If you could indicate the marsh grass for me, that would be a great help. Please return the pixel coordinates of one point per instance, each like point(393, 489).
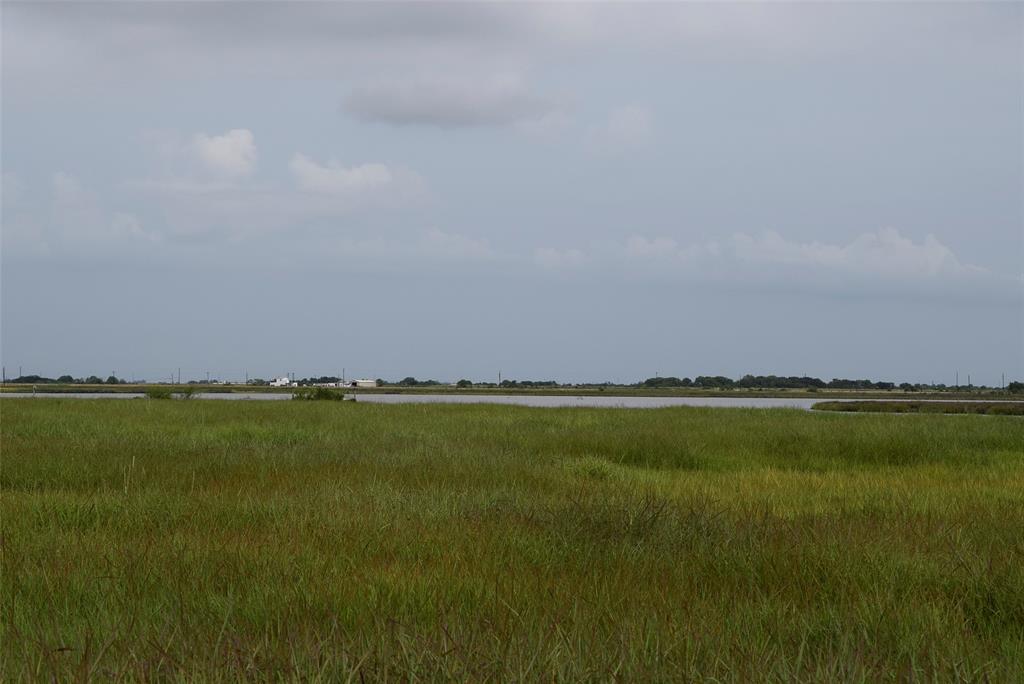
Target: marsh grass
point(159, 392)
point(991, 408)
point(324, 542)
point(318, 394)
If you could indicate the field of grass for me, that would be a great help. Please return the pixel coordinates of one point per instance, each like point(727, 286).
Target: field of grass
point(991, 408)
point(327, 541)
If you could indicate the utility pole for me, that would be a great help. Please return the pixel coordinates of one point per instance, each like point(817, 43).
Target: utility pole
point(499, 378)
point(957, 385)
point(179, 375)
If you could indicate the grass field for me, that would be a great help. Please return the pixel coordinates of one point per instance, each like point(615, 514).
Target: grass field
point(149, 540)
point(991, 408)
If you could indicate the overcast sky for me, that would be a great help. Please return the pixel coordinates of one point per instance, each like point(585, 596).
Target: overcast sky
point(565, 191)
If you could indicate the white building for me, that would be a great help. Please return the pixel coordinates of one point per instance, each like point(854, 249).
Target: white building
point(362, 383)
point(283, 382)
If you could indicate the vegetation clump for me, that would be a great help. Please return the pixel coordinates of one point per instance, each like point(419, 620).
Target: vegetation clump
point(318, 394)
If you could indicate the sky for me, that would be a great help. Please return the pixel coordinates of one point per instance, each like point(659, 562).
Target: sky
point(578, 192)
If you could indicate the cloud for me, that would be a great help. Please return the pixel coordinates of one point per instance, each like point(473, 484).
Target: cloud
point(231, 154)
point(667, 250)
point(439, 243)
point(559, 259)
point(449, 103)
point(880, 263)
point(68, 191)
point(72, 221)
point(626, 128)
point(201, 39)
point(333, 178)
point(882, 253)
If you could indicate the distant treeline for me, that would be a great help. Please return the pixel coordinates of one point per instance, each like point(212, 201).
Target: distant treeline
point(801, 382)
point(700, 382)
point(67, 380)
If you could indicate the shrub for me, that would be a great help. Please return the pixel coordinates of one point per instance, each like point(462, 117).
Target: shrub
point(159, 393)
point(318, 394)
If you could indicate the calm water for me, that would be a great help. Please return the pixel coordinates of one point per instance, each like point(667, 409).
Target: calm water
point(513, 399)
point(595, 401)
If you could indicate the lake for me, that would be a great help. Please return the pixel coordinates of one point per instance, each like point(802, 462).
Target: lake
point(512, 399)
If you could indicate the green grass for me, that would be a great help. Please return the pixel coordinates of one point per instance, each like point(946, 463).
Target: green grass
point(155, 540)
point(991, 408)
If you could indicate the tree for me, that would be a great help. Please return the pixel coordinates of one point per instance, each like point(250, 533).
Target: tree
point(32, 380)
point(93, 380)
point(463, 384)
point(666, 382)
point(112, 380)
point(65, 379)
point(1015, 388)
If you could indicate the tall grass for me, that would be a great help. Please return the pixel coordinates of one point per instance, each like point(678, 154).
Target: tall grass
point(992, 408)
point(321, 541)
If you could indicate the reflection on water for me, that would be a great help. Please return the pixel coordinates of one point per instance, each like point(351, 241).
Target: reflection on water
point(588, 401)
point(512, 399)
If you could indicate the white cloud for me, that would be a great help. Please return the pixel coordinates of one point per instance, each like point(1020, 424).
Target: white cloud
point(449, 103)
point(231, 154)
point(877, 263)
point(333, 178)
point(68, 191)
point(559, 259)
point(884, 253)
point(73, 222)
point(455, 246)
point(667, 250)
point(626, 128)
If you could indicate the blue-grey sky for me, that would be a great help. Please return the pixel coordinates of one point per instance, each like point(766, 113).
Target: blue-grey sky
point(566, 191)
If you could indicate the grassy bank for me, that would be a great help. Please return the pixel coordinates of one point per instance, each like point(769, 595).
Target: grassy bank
point(991, 408)
point(326, 540)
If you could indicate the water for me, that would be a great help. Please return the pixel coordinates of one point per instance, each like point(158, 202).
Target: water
point(510, 399)
point(540, 401)
point(588, 401)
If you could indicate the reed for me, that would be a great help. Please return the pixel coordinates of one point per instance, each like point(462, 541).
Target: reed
point(327, 541)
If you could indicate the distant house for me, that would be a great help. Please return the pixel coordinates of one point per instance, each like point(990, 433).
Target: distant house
point(283, 382)
point(362, 383)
